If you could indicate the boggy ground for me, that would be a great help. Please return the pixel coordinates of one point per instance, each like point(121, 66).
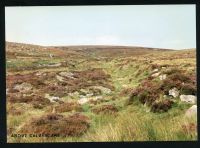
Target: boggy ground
point(99, 93)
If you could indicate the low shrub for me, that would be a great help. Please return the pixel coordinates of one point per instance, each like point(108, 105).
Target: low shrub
point(125, 92)
point(161, 106)
point(68, 106)
point(105, 109)
point(56, 124)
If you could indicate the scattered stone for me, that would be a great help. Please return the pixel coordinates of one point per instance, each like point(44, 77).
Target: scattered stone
point(155, 74)
point(67, 74)
point(97, 98)
point(59, 78)
point(104, 90)
point(89, 95)
point(23, 87)
point(188, 98)
point(83, 91)
point(82, 96)
point(155, 70)
point(83, 100)
point(174, 92)
point(52, 98)
point(191, 112)
point(74, 94)
point(163, 77)
point(40, 73)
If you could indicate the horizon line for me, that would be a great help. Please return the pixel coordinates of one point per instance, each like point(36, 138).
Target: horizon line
point(73, 45)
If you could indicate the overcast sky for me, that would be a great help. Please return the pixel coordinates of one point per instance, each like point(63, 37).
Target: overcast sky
point(161, 26)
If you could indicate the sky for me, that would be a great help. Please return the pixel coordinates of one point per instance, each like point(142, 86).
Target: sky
point(158, 26)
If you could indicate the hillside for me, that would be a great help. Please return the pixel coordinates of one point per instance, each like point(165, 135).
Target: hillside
point(100, 93)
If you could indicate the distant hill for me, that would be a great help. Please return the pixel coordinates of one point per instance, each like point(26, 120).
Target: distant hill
point(81, 50)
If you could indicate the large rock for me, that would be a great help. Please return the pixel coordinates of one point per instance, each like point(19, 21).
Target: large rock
point(174, 92)
point(23, 87)
point(188, 98)
point(191, 112)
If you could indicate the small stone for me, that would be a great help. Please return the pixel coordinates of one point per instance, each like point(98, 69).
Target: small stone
point(104, 90)
point(52, 98)
point(97, 98)
point(59, 78)
point(174, 92)
point(67, 74)
point(83, 100)
point(163, 77)
point(89, 95)
point(155, 70)
point(155, 74)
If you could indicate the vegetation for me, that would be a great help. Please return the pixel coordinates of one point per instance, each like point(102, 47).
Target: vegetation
point(98, 93)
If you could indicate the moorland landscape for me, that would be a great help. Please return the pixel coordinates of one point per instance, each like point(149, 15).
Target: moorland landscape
point(100, 93)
